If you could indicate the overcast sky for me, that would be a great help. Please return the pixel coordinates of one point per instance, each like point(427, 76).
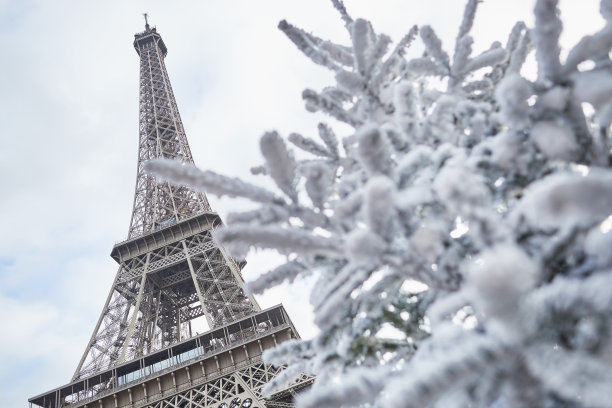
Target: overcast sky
point(69, 131)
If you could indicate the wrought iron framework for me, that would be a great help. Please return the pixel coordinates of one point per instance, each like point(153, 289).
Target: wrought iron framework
point(172, 272)
point(222, 366)
point(161, 134)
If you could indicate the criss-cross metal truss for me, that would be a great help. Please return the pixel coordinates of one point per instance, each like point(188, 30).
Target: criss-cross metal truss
point(171, 272)
point(242, 389)
point(161, 134)
point(221, 368)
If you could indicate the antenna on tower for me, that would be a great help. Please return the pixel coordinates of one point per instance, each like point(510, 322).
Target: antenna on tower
point(146, 21)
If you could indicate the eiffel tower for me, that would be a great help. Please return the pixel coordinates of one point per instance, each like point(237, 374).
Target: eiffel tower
point(172, 278)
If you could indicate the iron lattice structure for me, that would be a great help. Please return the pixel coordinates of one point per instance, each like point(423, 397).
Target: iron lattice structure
point(143, 351)
point(161, 134)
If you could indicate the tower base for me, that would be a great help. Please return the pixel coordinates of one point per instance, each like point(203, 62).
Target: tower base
point(221, 368)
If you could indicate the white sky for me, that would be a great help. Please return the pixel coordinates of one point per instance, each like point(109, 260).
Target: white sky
point(69, 130)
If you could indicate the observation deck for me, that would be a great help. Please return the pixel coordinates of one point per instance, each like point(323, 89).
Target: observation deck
point(197, 360)
point(147, 38)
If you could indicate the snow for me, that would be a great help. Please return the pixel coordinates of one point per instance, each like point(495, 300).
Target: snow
point(379, 205)
point(605, 9)
point(208, 181)
point(512, 95)
point(598, 243)
point(594, 87)
point(457, 222)
point(556, 141)
point(461, 188)
point(434, 46)
point(426, 241)
point(546, 38)
point(500, 277)
point(373, 150)
point(318, 182)
point(362, 245)
point(555, 99)
point(592, 386)
point(279, 162)
point(565, 200)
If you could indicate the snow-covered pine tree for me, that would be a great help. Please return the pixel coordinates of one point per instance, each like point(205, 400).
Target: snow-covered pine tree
point(468, 209)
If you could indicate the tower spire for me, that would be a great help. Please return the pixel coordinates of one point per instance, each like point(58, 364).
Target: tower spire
point(146, 21)
point(161, 135)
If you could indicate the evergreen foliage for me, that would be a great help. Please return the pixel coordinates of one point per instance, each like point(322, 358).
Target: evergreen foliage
point(460, 234)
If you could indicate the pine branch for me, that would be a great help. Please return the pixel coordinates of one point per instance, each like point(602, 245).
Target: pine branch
point(239, 238)
point(486, 59)
point(339, 5)
point(308, 145)
point(280, 163)
point(362, 35)
point(434, 47)
point(318, 102)
point(286, 272)
point(519, 54)
point(271, 214)
point(468, 18)
point(373, 152)
point(319, 178)
point(329, 138)
point(546, 38)
point(305, 43)
point(208, 181)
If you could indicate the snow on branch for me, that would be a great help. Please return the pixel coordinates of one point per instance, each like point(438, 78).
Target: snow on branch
point(373, 150)
point(339, 5)
point(572, 375)
point(434, 47)
point(515, 36)
point(486, 59)
point(355, 388)
point(567, 201)
point(333, 107)
point(481, 85)
point(239, 238)
point(265, 215)
point(379, 205)
point(462, 57)
point(305, 43)
point(283, 380)
point(546, 38)
point(425, 66)
point(443, 371)
point(519, 52)
point(319, 179)
point(591, 47)
point(308, 145)
point(379, 49)
point(391, 67)
point(341, 54)
point(512, 95)
point(280, 163)
point(329, 138)
point(468, 18)
point(459, 240)
point(285, 272)
point(209, 182)
point(404, 43)
point(566, 296)
point(363, 40)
